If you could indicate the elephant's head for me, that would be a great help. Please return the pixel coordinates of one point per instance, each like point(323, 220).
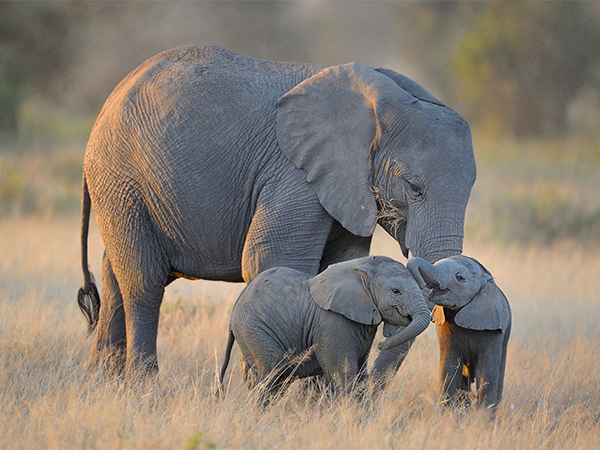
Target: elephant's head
point(463, 285)
point(370, 290)
point(378, 148)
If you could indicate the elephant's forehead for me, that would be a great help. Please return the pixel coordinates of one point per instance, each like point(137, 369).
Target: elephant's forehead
point(458, 262)
point(395, 272)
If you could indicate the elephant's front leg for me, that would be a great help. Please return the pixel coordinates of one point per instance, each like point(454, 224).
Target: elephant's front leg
point(110, 342)
point(451, 363)
point(343, 373)
point(389, 361)
point(488, 376)
point(341, 349)
point(451, 377)
point(342, 246)
point(289, 229)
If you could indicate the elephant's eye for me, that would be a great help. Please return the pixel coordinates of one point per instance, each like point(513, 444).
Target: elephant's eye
point(415, 187)
point(460, 278)
point(396, 291)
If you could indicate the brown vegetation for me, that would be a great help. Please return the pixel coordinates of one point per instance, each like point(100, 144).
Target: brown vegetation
point(552, 389)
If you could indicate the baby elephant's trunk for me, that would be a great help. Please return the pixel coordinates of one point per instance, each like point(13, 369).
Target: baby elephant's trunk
point(420, 320)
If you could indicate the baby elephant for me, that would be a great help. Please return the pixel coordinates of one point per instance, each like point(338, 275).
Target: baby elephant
point(473, 325)
point(289, 325)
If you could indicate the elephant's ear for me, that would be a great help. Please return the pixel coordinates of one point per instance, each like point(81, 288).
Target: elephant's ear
point(489, 310)
point(342, 288)
point(410, 86)
point(327, 126)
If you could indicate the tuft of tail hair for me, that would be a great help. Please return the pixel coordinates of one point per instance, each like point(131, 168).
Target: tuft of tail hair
point(88, 297)
point(89, 304)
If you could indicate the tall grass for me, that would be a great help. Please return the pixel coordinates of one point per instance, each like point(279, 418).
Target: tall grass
point(552, 387)
point(48, 399)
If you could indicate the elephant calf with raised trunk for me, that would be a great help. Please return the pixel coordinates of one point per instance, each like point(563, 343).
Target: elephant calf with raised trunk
point(289, 325)
point(473, 321)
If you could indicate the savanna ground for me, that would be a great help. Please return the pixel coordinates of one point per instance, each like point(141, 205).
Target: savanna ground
point(533, 220)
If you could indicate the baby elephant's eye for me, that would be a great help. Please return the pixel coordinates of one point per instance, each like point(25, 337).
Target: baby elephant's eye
point(460, 278)
point(396, 291)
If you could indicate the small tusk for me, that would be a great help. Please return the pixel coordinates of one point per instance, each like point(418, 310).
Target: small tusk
point(411, 255)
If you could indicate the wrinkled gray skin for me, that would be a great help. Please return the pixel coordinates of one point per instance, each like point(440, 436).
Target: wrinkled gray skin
point(208, 164)
point(473, 321)
point(289, 325)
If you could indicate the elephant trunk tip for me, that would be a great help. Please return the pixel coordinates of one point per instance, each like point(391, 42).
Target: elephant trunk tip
point(89, 304)
point(417, 325)
point(415, 266)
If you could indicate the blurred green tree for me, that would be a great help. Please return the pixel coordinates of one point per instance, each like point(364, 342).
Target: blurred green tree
point(33, 48)
point(511, 67)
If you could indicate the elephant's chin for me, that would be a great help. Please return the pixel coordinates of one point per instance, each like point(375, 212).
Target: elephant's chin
point(402, 321)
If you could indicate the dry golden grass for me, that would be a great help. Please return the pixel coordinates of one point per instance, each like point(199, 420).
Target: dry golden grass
point(48, 400)
point(544, 195)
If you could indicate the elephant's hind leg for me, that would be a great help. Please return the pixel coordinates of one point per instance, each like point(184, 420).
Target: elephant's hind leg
point(141, 269)
point(249, 372)
point(268, 371)
point(452, 379)
point(141, 301)
point(110, 341)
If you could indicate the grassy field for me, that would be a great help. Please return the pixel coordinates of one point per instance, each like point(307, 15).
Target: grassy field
point(531, 221)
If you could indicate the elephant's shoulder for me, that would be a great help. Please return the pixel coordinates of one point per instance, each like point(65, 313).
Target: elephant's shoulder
point(280, 282)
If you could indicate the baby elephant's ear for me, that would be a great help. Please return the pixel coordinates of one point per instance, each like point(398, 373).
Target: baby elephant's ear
point(342, 288)
point(489, 310)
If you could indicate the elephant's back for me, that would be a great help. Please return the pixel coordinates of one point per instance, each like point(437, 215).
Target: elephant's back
point(193, 80)
point(190, 116)
point(275, 305)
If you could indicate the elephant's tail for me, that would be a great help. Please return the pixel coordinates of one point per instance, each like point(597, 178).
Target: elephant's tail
point(87, 297)
point(226, 359)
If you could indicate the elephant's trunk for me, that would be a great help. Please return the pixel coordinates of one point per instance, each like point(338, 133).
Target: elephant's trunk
point(420, 321)
point(444, 236)
point(422, 272)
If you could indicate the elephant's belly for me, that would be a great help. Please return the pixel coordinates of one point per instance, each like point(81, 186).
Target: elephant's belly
point(207, 268)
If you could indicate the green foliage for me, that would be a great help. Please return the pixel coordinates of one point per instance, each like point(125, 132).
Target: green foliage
point(46, 181)
point(42, 121)
point(536, 192)
point(542, 217)
point(14, 192)
point(514, 66)
point(519, 65)
point(198, 441)
point(33, 37)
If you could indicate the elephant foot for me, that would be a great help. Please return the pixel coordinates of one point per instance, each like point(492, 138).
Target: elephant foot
point(141, 367)
point(109, 363)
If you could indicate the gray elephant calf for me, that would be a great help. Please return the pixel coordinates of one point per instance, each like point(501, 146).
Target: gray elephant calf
point(290, 325)
point(473, 321)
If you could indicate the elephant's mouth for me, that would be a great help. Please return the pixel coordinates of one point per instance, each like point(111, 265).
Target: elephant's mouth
point(436, 291)
point(403, 321)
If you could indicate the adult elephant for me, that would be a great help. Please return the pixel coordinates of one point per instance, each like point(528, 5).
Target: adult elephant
point(204, 163)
